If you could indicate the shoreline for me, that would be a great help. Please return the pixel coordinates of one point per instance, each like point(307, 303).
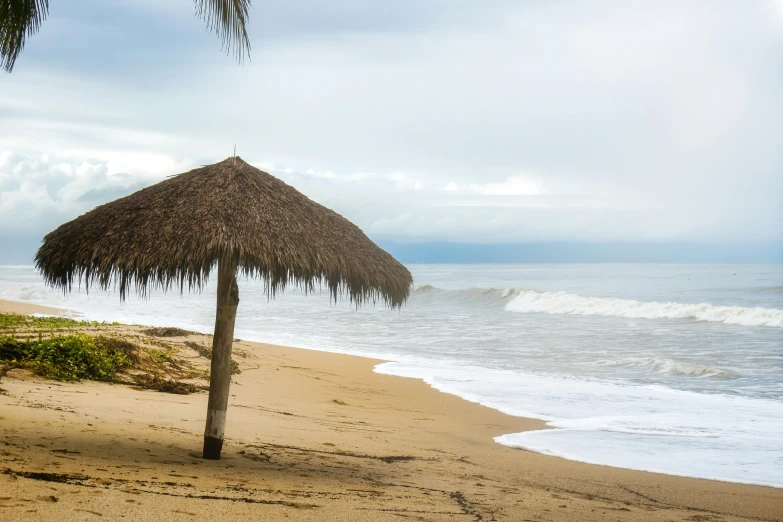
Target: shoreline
point(546, 426)
point(336, 407)
point(26, 308)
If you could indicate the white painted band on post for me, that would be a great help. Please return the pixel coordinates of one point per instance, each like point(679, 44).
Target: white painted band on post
point(216, 424)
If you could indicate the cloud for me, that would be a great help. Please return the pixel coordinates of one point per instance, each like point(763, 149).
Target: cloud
point(435, 119)
point(513, 186)
point(37, 194)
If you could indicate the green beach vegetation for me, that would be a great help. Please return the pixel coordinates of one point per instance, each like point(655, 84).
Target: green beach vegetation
point(15, 321)
point(70, 357)
point(69, 350)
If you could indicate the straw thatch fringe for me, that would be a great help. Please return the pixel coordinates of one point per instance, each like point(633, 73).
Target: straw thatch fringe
point(171, 235)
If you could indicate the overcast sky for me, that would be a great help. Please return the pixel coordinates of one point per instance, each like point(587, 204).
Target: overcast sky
point(457, 120)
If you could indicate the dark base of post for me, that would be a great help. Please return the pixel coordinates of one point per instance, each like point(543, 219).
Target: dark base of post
point(212, 448)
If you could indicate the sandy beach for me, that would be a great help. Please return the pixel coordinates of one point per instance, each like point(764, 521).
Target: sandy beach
point(311, 436)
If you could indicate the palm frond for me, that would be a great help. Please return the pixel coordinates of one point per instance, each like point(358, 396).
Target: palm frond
point(227, 18)
point(18, 20)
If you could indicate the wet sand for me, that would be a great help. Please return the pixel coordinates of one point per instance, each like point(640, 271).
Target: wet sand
point(312, 436)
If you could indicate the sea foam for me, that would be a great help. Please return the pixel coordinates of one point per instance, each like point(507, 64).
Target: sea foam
point(647, 428)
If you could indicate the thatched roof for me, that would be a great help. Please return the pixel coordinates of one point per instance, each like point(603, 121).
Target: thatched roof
point(172, 234)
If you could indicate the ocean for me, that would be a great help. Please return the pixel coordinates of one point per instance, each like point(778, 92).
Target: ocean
point(676, 369)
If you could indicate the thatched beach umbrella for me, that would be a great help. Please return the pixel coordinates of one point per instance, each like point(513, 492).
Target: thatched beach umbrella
point(231, 214)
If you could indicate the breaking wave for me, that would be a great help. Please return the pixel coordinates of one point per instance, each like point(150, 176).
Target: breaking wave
point(487, 295)
point(670, 367)
point(22, 292)
point(533, 301)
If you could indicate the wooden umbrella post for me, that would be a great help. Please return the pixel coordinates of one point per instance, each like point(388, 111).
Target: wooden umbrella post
point(220, 373)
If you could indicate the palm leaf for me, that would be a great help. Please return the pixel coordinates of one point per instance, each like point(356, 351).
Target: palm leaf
point(18, 20)
point(227, 18)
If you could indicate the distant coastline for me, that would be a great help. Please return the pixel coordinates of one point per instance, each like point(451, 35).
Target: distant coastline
point(21, 251)
point(444, 252)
